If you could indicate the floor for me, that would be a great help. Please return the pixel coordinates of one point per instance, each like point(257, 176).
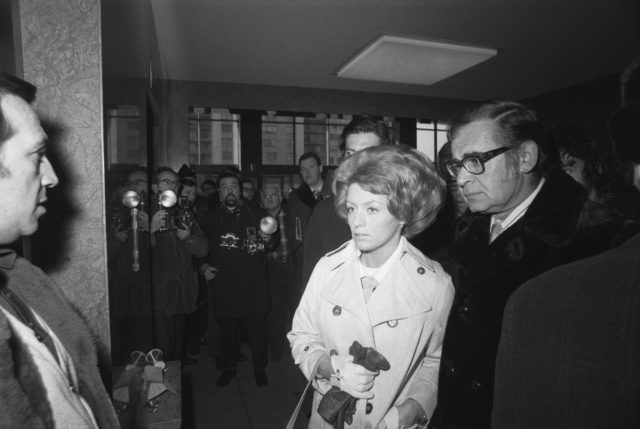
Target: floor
point(241, 404)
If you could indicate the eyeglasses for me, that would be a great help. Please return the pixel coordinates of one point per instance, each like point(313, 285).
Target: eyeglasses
point(137, 181)
point(168, 182)
point(474, 164)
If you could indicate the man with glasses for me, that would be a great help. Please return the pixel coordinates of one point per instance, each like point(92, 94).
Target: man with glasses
point(521, 222)
point(284, 293)
point(174, 279)
point(130, 290)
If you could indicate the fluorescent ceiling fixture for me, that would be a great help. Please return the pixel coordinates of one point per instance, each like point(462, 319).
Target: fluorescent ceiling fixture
point(403, 59)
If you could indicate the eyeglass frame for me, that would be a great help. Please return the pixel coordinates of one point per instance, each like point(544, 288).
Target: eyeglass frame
point(169, 182)
point(482, 157)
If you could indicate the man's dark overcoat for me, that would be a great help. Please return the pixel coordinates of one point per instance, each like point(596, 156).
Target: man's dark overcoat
point(488, 274)
point(569, 356)
point(240, 288)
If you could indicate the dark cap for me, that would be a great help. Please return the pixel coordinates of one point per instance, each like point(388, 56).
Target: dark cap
point(185, 171)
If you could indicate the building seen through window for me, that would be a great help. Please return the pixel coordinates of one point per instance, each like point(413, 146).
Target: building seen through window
point(123, 135)
point(214, 137)
point(286, 137)
point(431, 136)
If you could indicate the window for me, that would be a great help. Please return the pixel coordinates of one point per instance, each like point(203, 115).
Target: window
point(431, 136)
point(285, 138)
point(214, 137)
point(123, 135)
point(277, 139)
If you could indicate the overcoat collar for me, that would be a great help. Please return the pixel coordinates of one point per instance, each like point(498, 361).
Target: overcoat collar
point(551, 219)
point(398, 296)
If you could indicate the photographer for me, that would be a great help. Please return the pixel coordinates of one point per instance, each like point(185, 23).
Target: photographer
point(174, 241)
point(237, 271)
point(130, 289)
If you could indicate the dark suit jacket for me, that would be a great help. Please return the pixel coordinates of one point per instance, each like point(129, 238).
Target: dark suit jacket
point(569, 356)
point(240, 287)
point(489, 274)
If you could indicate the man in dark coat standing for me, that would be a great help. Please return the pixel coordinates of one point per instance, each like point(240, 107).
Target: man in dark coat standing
point(569, 355)
point(237, 271)
point(521, 222)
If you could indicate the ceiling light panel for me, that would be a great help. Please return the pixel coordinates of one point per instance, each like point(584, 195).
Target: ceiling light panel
point(403, 59)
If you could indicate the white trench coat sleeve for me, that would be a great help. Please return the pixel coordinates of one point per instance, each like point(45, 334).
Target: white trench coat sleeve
point(404, 320)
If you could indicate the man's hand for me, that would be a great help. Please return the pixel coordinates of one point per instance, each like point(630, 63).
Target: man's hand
point(122, 235)
point(208, 272)
point(355, 379)
point(143, 221)
point(184, 232)
point(157, 220)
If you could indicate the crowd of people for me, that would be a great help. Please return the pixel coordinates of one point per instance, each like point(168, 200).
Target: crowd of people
point(496, 288)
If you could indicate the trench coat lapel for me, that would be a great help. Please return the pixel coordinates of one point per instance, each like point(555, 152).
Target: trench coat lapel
point(345, 290)
point(397, 297)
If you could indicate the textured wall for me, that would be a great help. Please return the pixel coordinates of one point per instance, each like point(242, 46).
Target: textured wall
point(61, 46)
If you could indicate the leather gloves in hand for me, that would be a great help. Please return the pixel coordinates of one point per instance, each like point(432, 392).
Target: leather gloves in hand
point(356, 374)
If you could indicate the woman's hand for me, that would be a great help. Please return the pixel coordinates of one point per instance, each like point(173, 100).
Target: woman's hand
point(354, 379)
point(408, 415)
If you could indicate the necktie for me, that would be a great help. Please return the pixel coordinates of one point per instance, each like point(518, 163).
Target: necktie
point(316, 194)
point(496, 230)
point(369, 284)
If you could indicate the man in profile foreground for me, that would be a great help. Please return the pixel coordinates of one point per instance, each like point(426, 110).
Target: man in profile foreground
point(48, 363)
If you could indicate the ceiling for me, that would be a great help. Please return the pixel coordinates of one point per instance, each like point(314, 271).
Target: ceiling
point(544, 44)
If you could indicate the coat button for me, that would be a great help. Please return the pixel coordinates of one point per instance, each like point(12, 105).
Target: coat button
point(369, 408)
point(475, 385)
point(306, 348)
point(420, 270)
point(392, 323)
point(337, 310)
point(449, 368)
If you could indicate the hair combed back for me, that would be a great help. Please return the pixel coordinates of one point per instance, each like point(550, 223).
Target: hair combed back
point(11, 85)
point(366, 124)
point(514, 122)
point(404, 175)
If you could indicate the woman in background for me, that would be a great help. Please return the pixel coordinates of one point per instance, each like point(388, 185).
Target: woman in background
point(379, 290)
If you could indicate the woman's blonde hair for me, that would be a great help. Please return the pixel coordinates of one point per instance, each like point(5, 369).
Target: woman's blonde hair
point(407, 177)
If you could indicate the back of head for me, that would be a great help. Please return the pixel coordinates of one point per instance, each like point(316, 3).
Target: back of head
point(407, 177)
point(514, 123)
point(624, 123)
point(366, 124)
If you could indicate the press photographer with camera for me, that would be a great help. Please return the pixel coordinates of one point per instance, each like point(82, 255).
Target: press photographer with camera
point(174, 242)
point(236, 269)
point(129, 262)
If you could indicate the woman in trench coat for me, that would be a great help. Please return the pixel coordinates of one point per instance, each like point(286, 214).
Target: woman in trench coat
point(387, 194)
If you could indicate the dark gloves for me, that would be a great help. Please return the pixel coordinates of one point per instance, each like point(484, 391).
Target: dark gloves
point(338, 407)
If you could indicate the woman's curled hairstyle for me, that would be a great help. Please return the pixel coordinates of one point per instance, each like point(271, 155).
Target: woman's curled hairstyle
point(407, 177)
